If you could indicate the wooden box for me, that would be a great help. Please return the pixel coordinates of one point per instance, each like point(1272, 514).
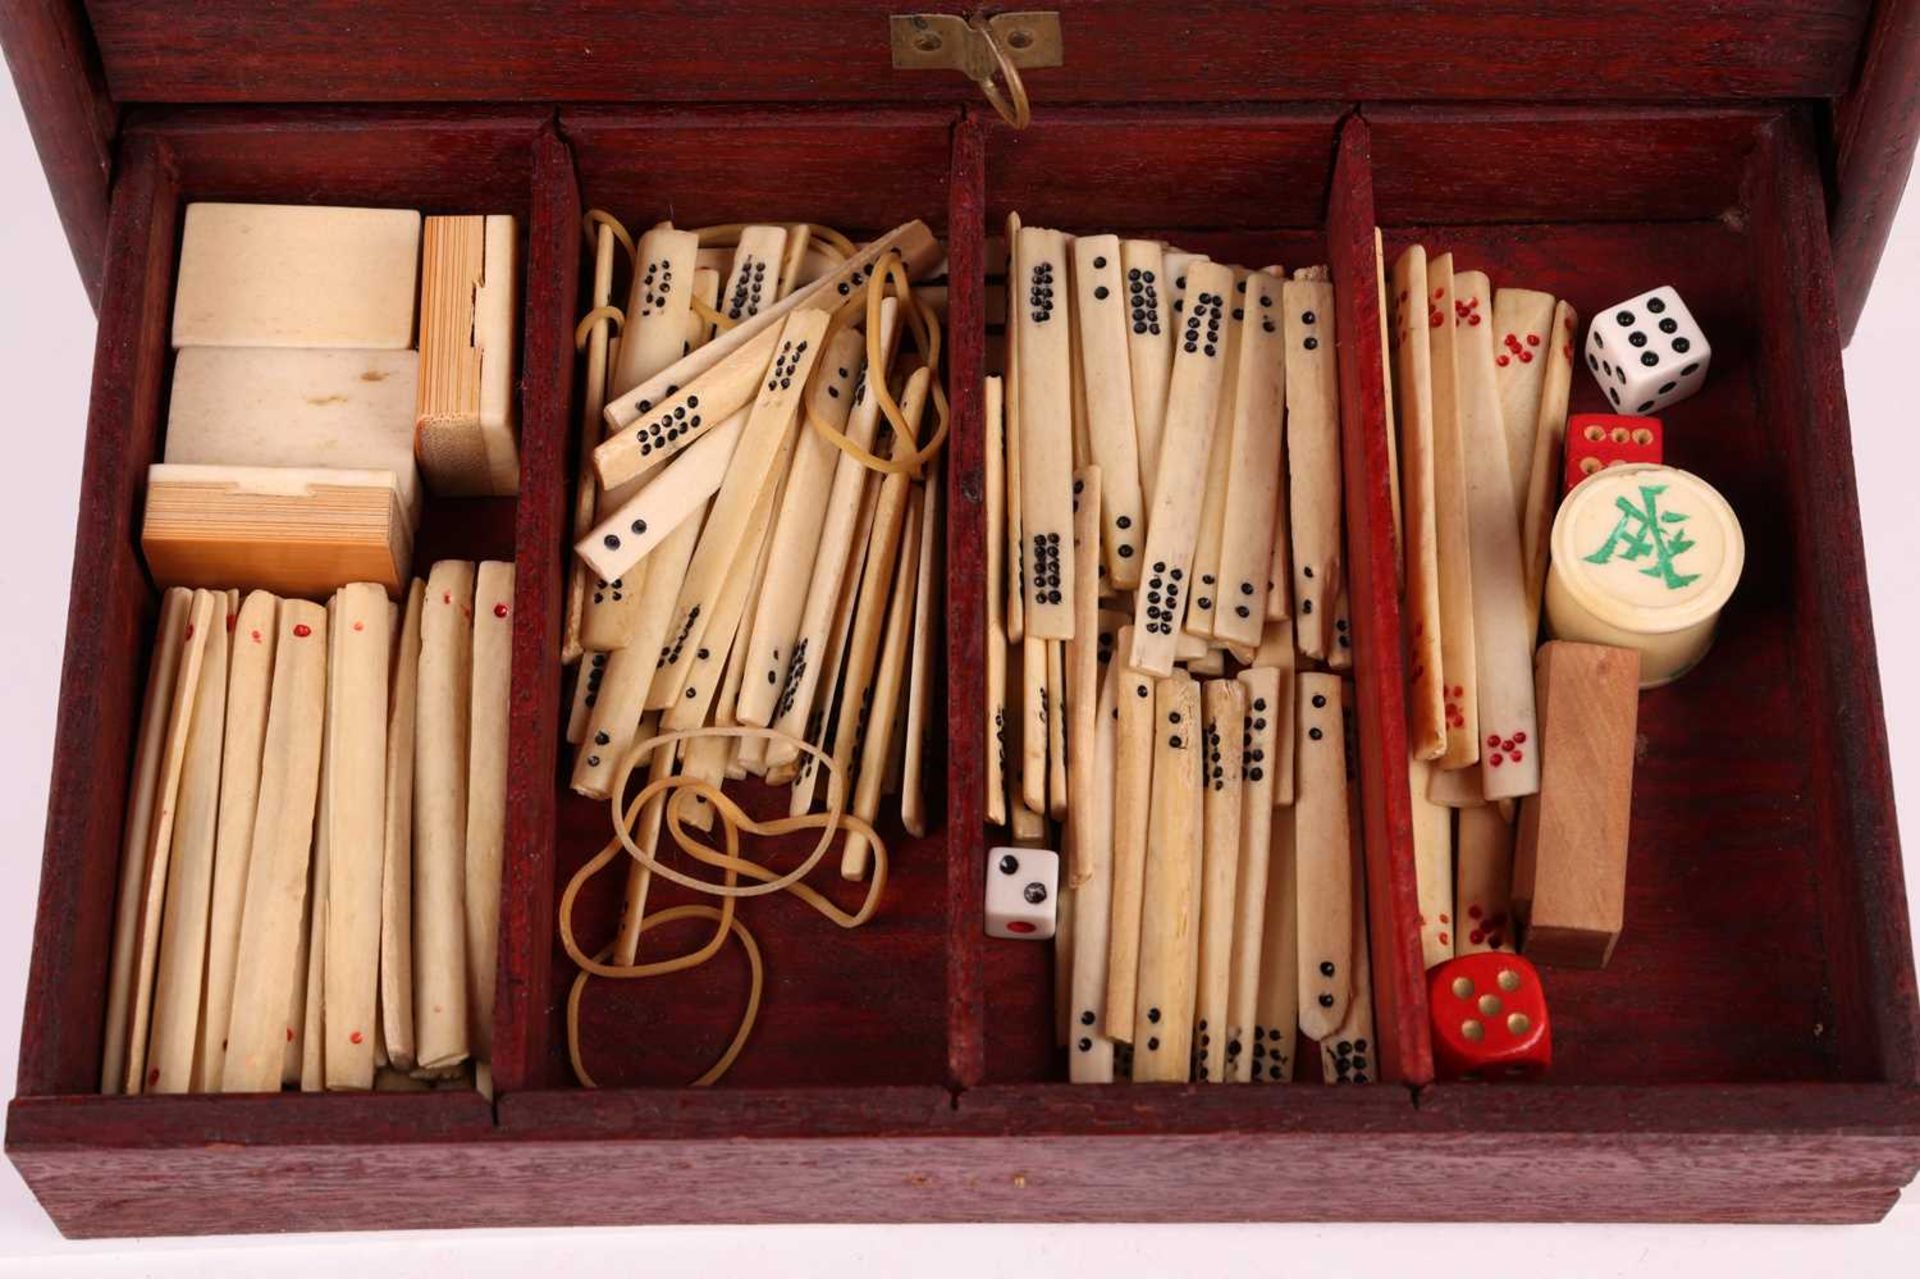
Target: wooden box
point(1751, 1054)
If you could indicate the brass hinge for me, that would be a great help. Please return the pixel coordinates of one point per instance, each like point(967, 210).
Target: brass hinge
point(987, 50)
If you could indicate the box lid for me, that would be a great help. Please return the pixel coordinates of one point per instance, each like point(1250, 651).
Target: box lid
point(78, 62)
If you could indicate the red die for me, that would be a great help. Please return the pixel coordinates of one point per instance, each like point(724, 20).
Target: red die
point(1597, 440)
point(1489, 1017)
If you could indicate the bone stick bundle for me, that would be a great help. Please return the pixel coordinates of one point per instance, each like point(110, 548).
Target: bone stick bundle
point(280, 851)
point(1495, 382)
point(1205, 399)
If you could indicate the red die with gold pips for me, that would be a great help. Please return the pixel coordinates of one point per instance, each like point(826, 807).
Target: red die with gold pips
point(1596, 441)
point(1488, 1014)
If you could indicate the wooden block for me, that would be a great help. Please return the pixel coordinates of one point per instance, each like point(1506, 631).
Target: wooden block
point(296, 275)
point(467, 428)
point(292, 531)
point(260, 406)
point(1570, 868)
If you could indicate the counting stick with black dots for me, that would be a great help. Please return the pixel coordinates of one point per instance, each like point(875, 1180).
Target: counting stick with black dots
point(1502, 643)
point(775, 621)
point(1173, 527)
point(753, 281)
point(619, 543)
point(1268, 1048)
point(806, 705)
point(1351, 1053)
point(1149, 315)
point(698, 695)
point(1258, 732)
point(630, 673)
point(1041, 304)
point(599, 359)
point(844, 529)
point(1223, 712)
point(1170, 897)
point(879, 706)
point(1034, 713)
point(1102, 317)
point(765, 445)
point(918, 712)
point(1276, 652)
point(658, 304)
point(1313, 455)
point(1340, 638)
point(890, 517)
point(1459, 677)
point(1089, 1049)
point(1251, 523)
point(1205, 599)
point(1059, 709)
point(618, 459)
point(660, 764)
point(1132, 797)
point(1082, 663)
point(1324, 864)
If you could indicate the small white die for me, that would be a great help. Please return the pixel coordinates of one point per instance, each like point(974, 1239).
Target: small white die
point(1022, 888)
point(1647, 352)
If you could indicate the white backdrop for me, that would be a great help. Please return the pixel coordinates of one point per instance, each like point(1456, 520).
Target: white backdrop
point(46, 353)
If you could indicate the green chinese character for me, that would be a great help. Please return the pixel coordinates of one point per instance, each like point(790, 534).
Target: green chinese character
point(1645, 531)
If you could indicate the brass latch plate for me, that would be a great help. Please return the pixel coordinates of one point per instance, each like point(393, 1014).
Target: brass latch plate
point(947, 42)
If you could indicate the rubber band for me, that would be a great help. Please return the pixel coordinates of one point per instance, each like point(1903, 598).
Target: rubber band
point(584, 330)
point(601, 217)
point(734, 821)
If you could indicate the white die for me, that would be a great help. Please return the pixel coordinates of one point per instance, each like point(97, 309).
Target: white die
point(1022, 887)
point(1647, 352)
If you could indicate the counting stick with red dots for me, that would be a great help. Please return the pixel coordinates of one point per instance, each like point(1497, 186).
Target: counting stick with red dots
point(396, 874)
point(1432, 865)
point(1550, 433)
point(440, 816)
point(486, 791)
point(1484, 883)
point(142, 800)
point(1503, 642)
point(186, 691)
point(249, 678)
point(183, 927)
point(1459, 678)
point(1522, 340)
point(259, 1027)
point(1413, 325)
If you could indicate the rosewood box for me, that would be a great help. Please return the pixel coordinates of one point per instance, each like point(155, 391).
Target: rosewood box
point(1752, 1053)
